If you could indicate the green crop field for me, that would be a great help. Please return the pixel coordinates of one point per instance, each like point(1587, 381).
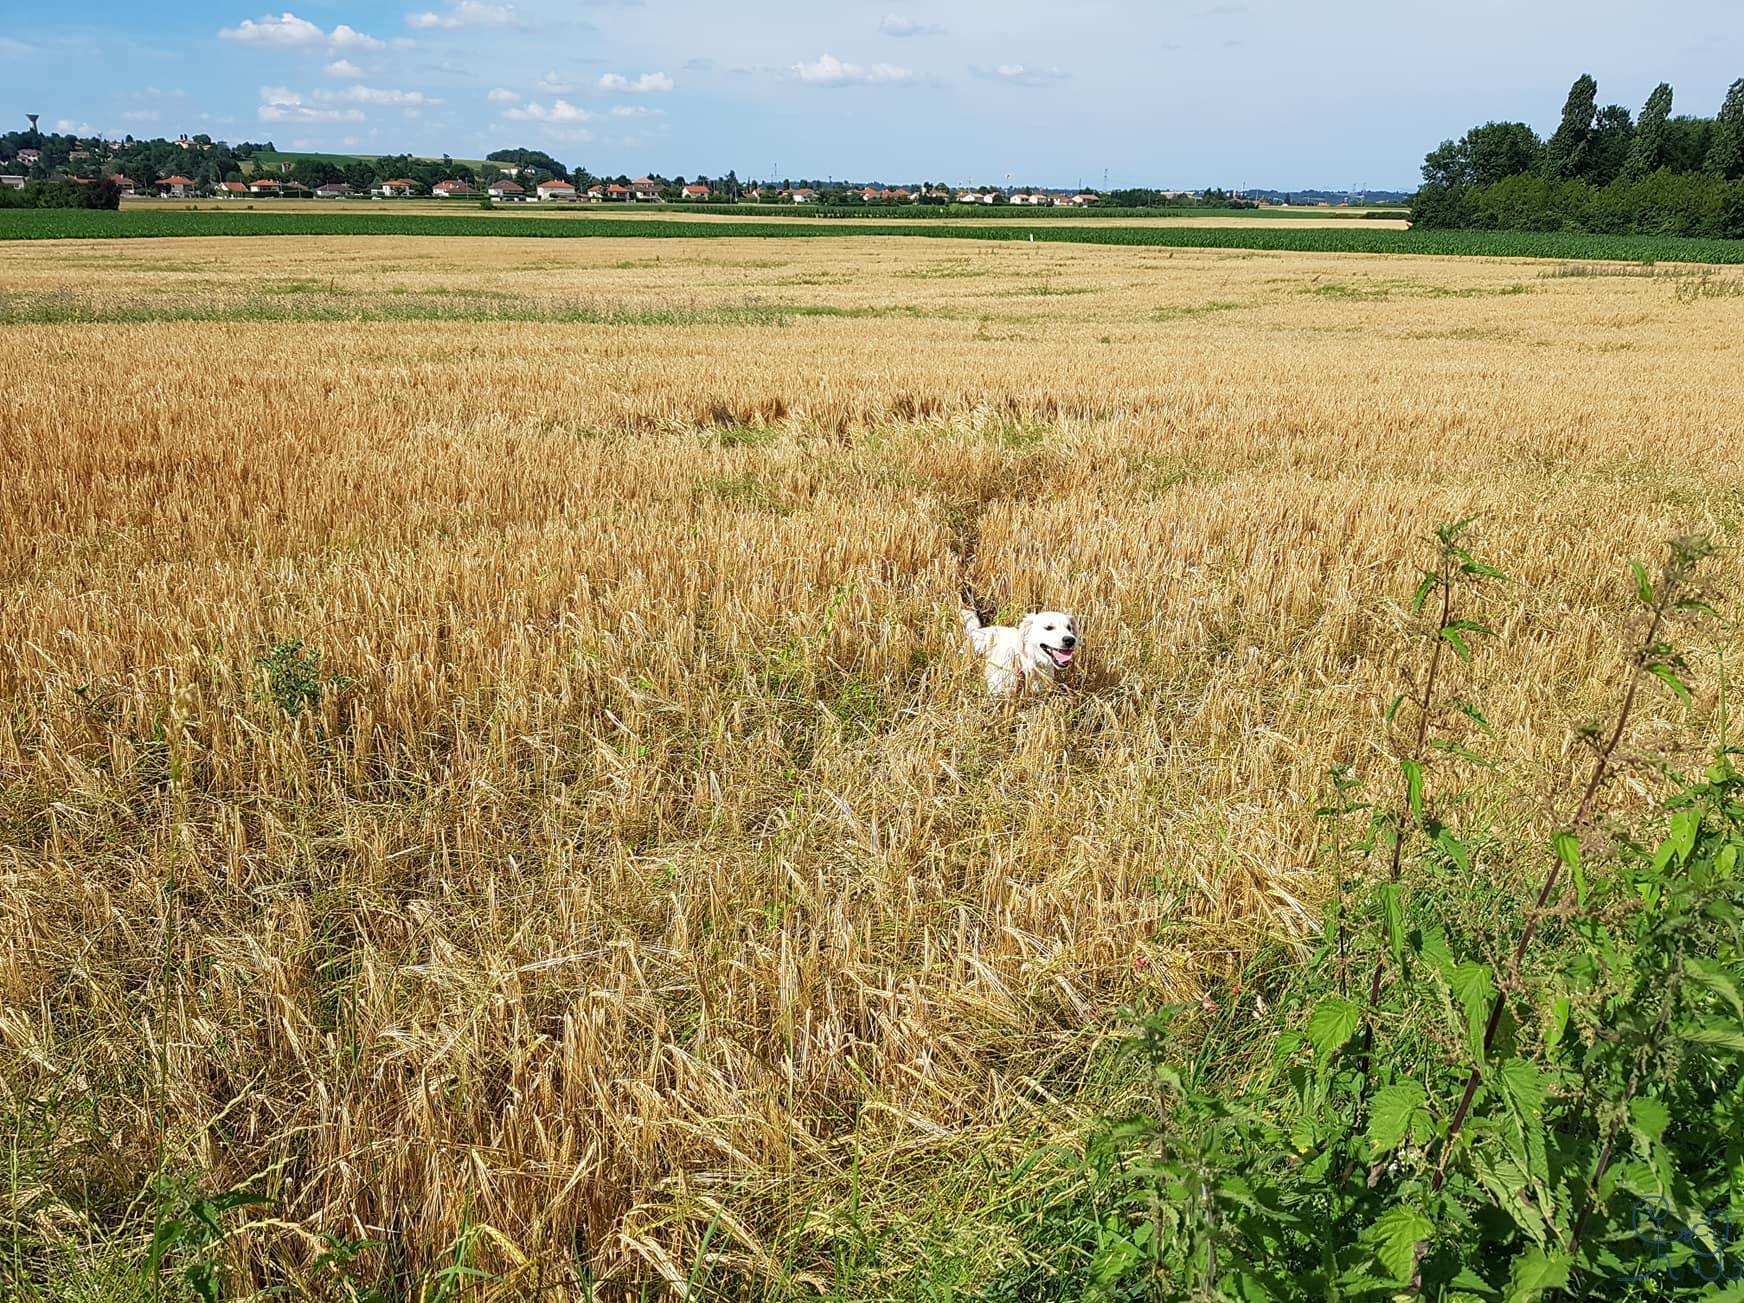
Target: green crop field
point(69, 224)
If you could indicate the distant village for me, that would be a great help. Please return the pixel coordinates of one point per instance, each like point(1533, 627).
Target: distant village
point(198, 167)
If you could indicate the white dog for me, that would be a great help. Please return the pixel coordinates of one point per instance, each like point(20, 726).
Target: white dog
point(1024, 659)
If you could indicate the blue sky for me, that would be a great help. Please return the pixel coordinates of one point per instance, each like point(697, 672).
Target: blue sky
point(1175, 92)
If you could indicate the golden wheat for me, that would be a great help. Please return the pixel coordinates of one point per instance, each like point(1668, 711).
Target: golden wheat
point(654, 868)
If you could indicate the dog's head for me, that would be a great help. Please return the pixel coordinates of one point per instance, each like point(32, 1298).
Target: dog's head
point(1050, 638)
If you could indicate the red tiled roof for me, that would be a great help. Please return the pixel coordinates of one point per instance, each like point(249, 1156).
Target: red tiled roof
point(508, 185)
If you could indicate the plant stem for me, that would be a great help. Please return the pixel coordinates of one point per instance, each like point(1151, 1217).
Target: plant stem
point(1669, 582)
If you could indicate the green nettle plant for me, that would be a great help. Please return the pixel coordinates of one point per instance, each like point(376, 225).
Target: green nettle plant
point(1466, 1097)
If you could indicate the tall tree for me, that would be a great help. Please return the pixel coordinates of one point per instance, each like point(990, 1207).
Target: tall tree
point(1607, 151)
point(1565, 154)
point(1647, 150)
point(1726, 153)
point(1498, 150)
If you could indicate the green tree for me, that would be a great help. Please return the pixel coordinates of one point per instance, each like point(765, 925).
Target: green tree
point(1647, 152)
point(1607, 151)
point(1500, 149)
point(1726, 153)
point(1565, 154)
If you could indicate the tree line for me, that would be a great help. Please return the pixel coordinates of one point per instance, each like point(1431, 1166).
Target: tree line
point(1603, 170)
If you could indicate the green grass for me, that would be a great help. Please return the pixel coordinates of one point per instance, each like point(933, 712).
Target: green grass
point(63, 224)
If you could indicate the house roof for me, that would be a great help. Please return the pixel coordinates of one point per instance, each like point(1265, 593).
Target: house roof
point(405, 180)
point(233, 187)
point(334, 185)
point(175, 180)
point(508, 185)
point(616, 189)
point(451, 185)
point(555, 185)
point(265, 183)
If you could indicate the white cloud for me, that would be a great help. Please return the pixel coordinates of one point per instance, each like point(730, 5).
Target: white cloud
point(896, 25)
point(281, 104)
point(343, 68)
point(554, 83)
point(1019, 74)
point(287, 31)
point(73, 128)
point(649, 83)
point(636, 111)
point(561, 111)
point(142, 115)
point(374, 95)
point(468, 13)
point(831, 71)
point(13, 49)
point(698, 65)
point(501, 96)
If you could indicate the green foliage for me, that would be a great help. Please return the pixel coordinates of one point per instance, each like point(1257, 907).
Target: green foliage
point(1565, 153)
point(294, 680)
point(1354, 237)
point(1726, 152)
point(1598, 173)
point(1494, 1121)
point(1648, 152)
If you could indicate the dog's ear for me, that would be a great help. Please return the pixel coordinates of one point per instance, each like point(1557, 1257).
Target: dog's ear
point(1026, 624)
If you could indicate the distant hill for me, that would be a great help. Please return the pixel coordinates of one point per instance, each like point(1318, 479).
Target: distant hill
point(265, 160)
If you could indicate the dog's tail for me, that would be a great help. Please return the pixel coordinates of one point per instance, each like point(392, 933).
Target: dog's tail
point(970, 610)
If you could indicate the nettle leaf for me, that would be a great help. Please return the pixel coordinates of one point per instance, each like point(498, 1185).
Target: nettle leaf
point(1331, 1024)
point(1714, 975)
point(1567, 848)
point(1435, 950)
point(1455, 850)
point(1643, 585)
point(1456, 640)
point(1476, 716)
point(1392, 1113)
point(1712, 1032)
point(1394, 905)
point(1668, 676)
point(1685, 824)
point(1524, 1085)
point(1534, 1272)
point(1649, 1117)
point(1425, 586)
point(1472, 987)
point(1413, 785)
point(1397, 1233)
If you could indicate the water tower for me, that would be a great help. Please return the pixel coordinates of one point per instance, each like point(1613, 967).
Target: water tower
point(33, 117)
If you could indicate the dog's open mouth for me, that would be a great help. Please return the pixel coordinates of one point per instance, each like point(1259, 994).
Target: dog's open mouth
point(1061, 656)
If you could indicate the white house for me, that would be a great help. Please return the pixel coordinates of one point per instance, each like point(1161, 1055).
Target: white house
point(646, 190)
point(332, 190)
point(265, 188)
point(450, 190)
point(397, 189)
point(506, 190)
point(696, 192)
point(176, 187)
point(803, 196)
point(12, 182)
point(556, 190)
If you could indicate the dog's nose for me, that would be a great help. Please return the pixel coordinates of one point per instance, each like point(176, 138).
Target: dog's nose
point(1070, 640)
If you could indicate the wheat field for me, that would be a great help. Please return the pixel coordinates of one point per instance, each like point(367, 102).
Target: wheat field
point(638, 885)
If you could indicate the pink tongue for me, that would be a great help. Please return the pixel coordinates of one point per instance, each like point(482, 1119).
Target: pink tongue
point(1061, 657)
